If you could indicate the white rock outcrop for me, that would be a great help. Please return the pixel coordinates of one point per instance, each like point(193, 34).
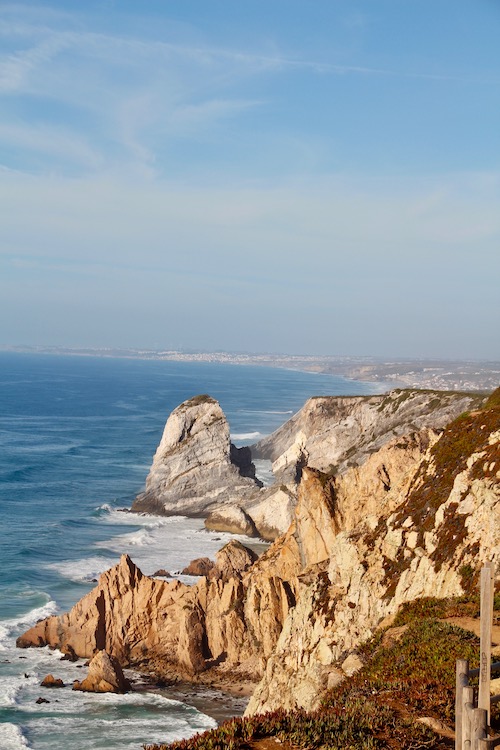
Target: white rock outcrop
point(195, 467)
point(332, 433)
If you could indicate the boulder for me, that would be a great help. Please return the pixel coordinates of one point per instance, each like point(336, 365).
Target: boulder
point(202, 566)
point(232, 561)
point(52, 682)
point(231, 519)
point(273, 510)
point(105, 675)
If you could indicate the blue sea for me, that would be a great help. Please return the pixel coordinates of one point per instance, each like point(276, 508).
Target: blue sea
point(77, 436)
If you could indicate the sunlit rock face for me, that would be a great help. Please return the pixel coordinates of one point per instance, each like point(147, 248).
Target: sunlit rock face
point(334, 433)
point(417, 518)
point(195, 467)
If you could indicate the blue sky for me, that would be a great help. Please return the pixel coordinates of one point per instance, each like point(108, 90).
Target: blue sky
point(302, 176)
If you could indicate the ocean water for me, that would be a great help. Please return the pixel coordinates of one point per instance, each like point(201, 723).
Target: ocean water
point(77, 436)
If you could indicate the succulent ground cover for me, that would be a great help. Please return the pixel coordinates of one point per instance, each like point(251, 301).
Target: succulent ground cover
point(409, 673)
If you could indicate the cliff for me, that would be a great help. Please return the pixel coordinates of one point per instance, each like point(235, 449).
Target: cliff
point(195, 467)
point(440, 521)
point(416, 519)
point(333, 433)
point(197, 471)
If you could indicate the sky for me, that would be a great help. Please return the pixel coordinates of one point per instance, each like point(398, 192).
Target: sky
point(288, 176)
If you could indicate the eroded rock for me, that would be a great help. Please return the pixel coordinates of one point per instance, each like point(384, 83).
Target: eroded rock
point(195, 467)
point(52, 682)
point(231, 519)
point(105, 675)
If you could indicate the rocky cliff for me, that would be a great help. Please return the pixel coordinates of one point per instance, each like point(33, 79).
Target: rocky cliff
point(197, 471)
point(417, 518)
point(332, 433)
point(195, 467)
point(439, 522)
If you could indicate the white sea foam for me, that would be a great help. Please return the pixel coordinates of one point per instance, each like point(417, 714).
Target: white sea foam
point(102, 721)
point(123, 518)
point(246, 435)
point(9, 689)
point(11, 737)
point(7, 627)
point(157, 545)
point(264, 471)
point(86, 569)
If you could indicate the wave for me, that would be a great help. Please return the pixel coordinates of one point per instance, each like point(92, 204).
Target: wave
point(140, 538)
point(11, 737)
point(156, 545)
point(9, 690)
point(19, 474)
point(123, 517)
point(246, 435)
point(27, 620)
point(86, 570)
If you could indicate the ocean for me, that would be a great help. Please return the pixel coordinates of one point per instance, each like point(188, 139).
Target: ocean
point(77, 436)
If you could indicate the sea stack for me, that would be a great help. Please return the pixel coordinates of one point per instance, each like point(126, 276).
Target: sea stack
point(196, 468)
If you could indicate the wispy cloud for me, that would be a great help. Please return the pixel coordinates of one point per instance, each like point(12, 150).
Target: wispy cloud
point(50, 140)
point(122, 97)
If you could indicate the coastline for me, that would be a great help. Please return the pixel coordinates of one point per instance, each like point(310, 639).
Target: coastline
point(383, 373)
point(221, 698)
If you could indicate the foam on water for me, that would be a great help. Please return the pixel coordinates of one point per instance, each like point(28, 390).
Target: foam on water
point(11, 737)
point(158, 545)
point(264, 471)
point(27, 620)
point(246, 436)
point(86, 570)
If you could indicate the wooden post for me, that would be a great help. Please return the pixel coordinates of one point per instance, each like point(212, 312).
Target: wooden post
point(467, 706)
point(479, 722)
point(487, 583)
point(462, 680)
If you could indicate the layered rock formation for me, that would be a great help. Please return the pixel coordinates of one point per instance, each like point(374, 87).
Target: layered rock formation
point(197, 471)
point(333, 433)
point(417, 518)
point(429, 539)
point(195, 467)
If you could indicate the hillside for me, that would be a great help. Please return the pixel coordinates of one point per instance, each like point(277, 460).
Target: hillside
point(402, 697)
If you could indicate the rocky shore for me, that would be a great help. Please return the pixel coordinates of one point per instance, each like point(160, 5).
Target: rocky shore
point(391, 498)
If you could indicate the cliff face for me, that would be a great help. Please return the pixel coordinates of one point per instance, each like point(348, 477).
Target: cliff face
point(416, 519)
point(333, 433)
point(196, 470)
point(428, 539)
point(195, 467)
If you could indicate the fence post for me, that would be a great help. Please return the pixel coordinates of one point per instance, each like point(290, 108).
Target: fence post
point(487, 591)
point(461, 681)
point(467, 706)
point(479, 723)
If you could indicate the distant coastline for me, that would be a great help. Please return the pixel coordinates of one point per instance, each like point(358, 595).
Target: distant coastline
point(445, 374)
